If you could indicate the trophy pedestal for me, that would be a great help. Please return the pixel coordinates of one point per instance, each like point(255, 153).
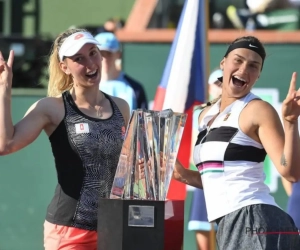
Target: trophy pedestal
point(140, 224)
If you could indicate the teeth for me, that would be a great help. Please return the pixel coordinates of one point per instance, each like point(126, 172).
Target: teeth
point(91, 73)
point(239, 78)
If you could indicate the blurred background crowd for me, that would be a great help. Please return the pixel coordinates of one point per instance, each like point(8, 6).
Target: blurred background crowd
point(239, 14)
point(21, 25)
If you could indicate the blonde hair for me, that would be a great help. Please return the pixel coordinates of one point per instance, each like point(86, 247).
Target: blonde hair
point(58, 80)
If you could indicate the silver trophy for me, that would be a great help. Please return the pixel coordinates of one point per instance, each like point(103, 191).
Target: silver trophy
point(152, 140)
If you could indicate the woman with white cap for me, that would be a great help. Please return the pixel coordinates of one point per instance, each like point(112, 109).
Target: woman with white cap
point(86, 129)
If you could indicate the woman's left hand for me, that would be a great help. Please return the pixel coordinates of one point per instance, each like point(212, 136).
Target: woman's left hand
point(141, 169)
point(291, 104)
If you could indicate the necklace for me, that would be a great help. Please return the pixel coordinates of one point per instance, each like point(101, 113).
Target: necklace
point(99, 112)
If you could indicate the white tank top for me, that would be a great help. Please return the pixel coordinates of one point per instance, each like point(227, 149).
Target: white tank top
point(230, 162)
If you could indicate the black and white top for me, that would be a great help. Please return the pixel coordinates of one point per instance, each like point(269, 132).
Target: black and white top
point(86, 152)
point(230, 162)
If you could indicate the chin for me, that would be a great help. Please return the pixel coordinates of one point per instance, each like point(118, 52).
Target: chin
point(96, 80)
point(240, 95)
point(94, 83)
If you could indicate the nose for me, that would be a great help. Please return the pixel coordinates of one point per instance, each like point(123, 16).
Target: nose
point(243, 68)
point(90, 62)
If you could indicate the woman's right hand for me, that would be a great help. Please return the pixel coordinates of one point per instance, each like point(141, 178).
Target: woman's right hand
point(178, 172)
point(6, 73)
point(187, 176)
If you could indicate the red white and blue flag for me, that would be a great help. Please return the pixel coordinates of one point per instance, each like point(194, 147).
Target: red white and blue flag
point(183, 84)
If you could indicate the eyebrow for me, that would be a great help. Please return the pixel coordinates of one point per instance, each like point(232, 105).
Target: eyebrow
point(246, 59)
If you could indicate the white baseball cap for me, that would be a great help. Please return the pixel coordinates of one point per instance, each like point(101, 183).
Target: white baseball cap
point(74, 43)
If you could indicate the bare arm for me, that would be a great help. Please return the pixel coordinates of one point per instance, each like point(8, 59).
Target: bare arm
point(290, 114)
point(6, 125)
point(288, 186)
point(26, 130)
point(283, 146)
point(13, 138)
point(290, 158)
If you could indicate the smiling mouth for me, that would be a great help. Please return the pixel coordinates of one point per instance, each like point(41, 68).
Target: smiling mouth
point(237, 81)
point(92, 74)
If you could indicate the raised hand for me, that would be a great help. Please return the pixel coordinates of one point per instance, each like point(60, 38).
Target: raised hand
point(6, 73)
point(291, 104)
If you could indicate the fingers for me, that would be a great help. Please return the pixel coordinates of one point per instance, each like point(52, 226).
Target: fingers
point(2, 62)
point(1, 56)
point(141, 172)
point(141, 164)
point(10, 58)
point(4, 66)
point(297, 98)
point(293, 83)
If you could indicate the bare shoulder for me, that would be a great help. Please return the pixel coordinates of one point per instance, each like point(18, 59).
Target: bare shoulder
point(50, 107)
point(260, 110)
point(123, 107)
point(121, 103)
point(47, 104)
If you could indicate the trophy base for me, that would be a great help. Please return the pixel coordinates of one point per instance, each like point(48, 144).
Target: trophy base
point(140, 224)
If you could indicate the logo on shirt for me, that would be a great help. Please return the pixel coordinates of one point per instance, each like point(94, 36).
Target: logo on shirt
point(82, 128)
point(227, 116)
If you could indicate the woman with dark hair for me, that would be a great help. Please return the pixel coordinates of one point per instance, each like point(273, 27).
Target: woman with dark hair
point(236, 132)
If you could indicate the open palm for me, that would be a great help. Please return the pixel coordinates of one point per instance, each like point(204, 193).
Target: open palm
point(6, 70)
point(291, 104)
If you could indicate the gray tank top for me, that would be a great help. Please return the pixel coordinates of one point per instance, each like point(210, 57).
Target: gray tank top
point(86, 152)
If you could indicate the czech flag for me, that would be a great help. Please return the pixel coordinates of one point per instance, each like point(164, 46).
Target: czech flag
point(183, 84)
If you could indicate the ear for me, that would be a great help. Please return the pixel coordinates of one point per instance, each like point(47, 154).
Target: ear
point(222, 64)
point(63, 66)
